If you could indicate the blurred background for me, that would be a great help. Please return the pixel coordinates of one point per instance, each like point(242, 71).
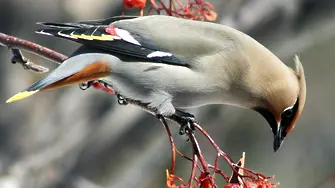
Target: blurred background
point(84, 139)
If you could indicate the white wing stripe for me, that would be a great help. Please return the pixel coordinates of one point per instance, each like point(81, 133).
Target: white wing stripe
point(159, 54)
point(125, 35)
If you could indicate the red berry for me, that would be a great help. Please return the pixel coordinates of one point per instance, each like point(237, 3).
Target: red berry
point(134, 3)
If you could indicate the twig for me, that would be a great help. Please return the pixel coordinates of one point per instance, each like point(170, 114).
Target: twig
point(198, 152)
point(26, 63)
point(173, 147)
point(194, 165)
point(17, 43)
point(219, 151)
point(216, 170)
point(191, 9)
point(235, 177)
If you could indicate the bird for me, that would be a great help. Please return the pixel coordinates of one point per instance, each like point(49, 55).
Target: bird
point(173, 64)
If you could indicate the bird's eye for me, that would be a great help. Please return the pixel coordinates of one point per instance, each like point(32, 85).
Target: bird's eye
point(287, 113)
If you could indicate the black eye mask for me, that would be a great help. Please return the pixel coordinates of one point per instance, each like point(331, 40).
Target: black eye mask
point(288, 116)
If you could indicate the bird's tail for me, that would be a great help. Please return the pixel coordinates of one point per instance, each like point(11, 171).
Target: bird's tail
point(75, 70)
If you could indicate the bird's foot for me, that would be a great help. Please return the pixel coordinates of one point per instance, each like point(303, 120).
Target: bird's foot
point(85, 85)
point(121, 100)
point(186, 124)
point(185, 120)
point(106, 85)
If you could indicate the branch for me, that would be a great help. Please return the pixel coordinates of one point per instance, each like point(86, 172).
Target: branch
point(15, 44)
point(26, 63)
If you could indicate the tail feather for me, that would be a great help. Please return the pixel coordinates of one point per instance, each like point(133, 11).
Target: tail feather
point(40, 84)
point(67, 69)
point(31, 90)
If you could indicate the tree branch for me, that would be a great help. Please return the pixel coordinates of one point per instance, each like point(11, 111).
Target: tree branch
point(17, 43)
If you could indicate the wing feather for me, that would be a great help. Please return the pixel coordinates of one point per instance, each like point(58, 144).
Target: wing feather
point(111, 38)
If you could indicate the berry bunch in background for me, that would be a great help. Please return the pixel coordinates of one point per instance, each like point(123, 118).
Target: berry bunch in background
point(190, 9)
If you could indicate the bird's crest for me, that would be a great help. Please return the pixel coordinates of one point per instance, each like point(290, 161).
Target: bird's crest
point(302, 90)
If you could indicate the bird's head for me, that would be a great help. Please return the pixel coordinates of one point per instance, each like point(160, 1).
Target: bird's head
point(284, 102)
point(77, 69)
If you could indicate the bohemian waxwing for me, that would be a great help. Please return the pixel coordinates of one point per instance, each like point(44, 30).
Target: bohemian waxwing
point(171, 63)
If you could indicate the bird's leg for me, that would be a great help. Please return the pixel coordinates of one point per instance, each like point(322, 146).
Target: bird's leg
point(85, 85)
point(185, 120)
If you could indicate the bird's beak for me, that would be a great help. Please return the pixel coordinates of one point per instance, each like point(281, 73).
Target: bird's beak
point(66, 74)
point(279, 137)
point(278, 127)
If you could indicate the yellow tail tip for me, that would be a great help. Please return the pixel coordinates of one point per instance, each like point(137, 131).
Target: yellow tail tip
point(21, 95)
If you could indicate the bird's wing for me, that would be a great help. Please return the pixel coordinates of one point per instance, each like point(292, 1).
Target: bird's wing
point(115, 38)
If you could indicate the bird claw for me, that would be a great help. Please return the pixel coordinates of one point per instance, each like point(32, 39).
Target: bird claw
point(187, 124)
point(184, 119)
point(106, 85)
point(85, 85)
point(121, 100)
